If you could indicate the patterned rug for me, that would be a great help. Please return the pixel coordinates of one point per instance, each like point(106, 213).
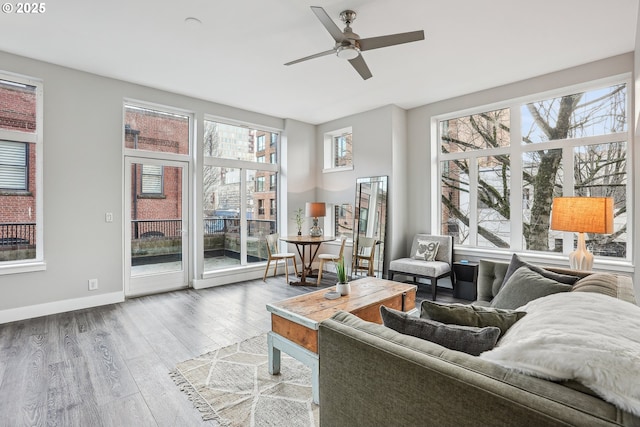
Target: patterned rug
point(232, 385)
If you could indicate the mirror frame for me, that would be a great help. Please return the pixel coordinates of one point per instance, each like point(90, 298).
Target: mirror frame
point(380, 213)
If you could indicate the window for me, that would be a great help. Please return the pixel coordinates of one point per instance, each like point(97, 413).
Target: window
point(273, 158)
point(274, 138)
point(152, 179)
point(260, 184)
point(154, 130)
point(338, 150)
point(574, 144)
point(235, 193)
point(260, 143)
point(344, 220)
point(272, 206)
point(14, 169)
point(20, 174)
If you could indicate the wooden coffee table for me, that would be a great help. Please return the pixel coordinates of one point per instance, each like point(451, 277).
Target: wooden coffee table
point(294, 321)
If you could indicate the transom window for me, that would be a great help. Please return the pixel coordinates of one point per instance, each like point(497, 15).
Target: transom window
point(498, 181)
point(338, 150)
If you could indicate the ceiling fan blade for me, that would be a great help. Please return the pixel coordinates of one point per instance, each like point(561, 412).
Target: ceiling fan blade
point(390, 40)
point(317, 55)
point(361, 67)
point(328, 23)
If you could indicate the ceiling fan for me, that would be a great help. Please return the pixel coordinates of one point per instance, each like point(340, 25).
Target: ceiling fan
point(349, 45)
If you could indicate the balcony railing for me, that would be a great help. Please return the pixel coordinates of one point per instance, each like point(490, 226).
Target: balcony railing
point(17, 234)
point(156, 228)
point(149, 229)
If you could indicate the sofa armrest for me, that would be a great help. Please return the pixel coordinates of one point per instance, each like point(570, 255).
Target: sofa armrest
point(373, 376)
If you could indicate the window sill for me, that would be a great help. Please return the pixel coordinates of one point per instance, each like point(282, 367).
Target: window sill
point(23, 193)
point(25, 267)
point(151, 196)
point(339, 169)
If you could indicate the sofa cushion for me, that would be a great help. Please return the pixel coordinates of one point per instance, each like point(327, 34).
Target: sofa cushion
point(525, 285)
point(470, 315)
point(411, 266)
point(467, 339)
point(516, 263)
point(427, 250)
point(602, 283)
point(582, 336)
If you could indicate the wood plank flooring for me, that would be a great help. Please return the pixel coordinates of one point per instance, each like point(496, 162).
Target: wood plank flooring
point(109, 366)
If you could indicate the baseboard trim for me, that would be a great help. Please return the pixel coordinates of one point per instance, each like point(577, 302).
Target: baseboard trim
point(31, 311)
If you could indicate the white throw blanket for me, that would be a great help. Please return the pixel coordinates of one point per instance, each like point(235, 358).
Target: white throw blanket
point(588, 337)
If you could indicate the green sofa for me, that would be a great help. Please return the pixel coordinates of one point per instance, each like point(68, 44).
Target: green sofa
point(371, 375)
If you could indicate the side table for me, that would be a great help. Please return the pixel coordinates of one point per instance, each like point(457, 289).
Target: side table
point(466, 274)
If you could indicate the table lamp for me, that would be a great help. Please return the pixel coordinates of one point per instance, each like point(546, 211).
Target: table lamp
point(582, 215)
point(314, 210)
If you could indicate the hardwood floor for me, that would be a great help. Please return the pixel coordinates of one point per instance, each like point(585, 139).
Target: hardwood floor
point(109, 366)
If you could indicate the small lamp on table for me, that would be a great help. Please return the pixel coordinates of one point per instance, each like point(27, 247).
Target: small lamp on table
point(315, 210)
point(582, 215)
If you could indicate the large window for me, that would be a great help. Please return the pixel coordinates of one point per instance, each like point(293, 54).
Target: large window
point(498, 181)
point(239, 194)
point(20, 171)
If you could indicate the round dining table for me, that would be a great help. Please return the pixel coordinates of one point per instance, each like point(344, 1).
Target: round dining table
point(302, 243)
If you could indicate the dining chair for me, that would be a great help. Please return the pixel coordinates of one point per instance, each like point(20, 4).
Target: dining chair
point(275, 255)
point(330, 257)
point(364, 259)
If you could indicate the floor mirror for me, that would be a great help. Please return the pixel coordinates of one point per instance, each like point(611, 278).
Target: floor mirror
point(370, 221)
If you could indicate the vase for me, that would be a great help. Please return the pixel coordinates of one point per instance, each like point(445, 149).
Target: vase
point(299, 233)
point(343, 288)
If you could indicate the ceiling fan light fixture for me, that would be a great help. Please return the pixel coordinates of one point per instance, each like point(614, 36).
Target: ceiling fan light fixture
point(348, 52)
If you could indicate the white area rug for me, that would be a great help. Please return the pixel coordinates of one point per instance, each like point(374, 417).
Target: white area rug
point(232, 385)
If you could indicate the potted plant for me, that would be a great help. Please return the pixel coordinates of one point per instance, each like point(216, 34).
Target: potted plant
point(343, 287)
point(299, 220)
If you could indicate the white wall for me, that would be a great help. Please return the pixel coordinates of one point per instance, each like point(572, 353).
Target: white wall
point(83, 179)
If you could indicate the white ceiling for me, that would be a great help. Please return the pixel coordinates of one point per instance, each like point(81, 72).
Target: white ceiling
point(236, 56)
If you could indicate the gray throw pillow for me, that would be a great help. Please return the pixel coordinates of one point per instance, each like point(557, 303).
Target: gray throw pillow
point(470, 315)
point(526, 285)
point(516, 263)
point(455, 337)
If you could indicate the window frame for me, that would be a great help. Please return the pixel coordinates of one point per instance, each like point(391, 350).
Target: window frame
point(330, 150)
point(515, 150)
point(38, 263)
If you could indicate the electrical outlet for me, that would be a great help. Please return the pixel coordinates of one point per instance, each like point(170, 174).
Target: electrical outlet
point(108, 217)
point(93, 284)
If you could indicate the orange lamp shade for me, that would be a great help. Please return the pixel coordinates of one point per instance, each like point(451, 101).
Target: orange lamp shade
point(316, 209)
point(582, 214)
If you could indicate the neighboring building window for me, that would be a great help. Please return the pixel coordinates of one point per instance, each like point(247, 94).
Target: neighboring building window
point(14, 165)
point(571, 145)
point(260, 184)
point(20, 173)
point(338, 150)
point(260, 143)
point(273, 158)
point(274, 138)
point(152, 179)
point(272, 206)
point(234, 185)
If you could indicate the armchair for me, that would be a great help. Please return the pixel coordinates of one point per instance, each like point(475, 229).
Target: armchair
point(417, 266)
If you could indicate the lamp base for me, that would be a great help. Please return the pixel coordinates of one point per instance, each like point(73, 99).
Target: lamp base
point(315, 231)
point(581, 258)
